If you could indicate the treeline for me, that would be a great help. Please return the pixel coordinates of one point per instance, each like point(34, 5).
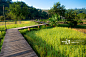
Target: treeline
point(75, 13)
point(21, 10)
point(67, 13)
point(71, 16)
point(82, 10)
point(5, 3)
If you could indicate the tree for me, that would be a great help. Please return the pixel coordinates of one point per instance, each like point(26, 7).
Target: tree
point(71, 17)
point(1, 18)
point(54, 20)
point(58, 9)
point(17, 11)
point(5, 0)
point(82, 15)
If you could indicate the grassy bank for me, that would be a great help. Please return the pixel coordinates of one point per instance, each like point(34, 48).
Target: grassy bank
point(46, 42)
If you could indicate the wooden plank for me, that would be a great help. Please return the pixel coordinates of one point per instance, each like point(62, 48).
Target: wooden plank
point(16, 46)
point(38, 26)
point(46, 25)
point(30, 26)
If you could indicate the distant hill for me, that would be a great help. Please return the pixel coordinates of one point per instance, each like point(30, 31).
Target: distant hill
point(6, 4)
point(83, 10)
point(45, 11)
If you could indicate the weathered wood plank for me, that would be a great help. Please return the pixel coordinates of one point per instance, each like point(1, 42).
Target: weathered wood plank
point(30, 26)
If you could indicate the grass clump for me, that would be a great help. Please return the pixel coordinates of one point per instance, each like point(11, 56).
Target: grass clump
point(46, 42)
point(1, 38)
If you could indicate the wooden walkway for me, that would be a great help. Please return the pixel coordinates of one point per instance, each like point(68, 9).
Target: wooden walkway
point(15, 45)
point(31, 26)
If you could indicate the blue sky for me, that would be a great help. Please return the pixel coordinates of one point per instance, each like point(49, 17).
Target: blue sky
point(47, 4)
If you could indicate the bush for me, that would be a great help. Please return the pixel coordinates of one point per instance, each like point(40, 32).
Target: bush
point(80, 22)
point(54, 19)
point(1, 18)
point(72, 23)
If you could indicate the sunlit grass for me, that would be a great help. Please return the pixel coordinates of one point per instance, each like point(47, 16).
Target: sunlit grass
point(46, 42)
point(24, 23)
point(12, 22)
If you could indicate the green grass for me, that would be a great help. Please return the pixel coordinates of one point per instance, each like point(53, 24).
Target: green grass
point(1, 43)
point(46, 42)
point(2, 28)
point(24, 23)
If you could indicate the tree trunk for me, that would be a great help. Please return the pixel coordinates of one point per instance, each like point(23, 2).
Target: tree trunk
point(20, 21)
point(15, 22)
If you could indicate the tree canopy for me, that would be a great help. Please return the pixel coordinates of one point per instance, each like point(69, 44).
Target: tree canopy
point(33, 13)
point(17, 11)
point(57, 9)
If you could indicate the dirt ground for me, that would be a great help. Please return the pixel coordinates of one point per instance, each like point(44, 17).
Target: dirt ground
point(81, 30)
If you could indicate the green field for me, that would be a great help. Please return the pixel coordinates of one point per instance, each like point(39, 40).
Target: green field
point(46, 42)
point(2, 28)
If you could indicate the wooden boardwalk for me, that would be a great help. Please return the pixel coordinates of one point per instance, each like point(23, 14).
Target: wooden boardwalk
point(15, 45)
point(30, 26)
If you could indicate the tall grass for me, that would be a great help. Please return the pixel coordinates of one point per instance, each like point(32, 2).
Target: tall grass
point(46, 42)
point(2, 34)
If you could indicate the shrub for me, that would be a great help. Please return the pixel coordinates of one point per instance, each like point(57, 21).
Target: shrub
point(72, 23)
point(54, 19)
point(1, 18)
point(80, 22)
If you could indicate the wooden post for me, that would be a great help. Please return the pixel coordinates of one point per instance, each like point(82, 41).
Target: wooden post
point(38, 26)
point(1, 31)
point(46, 25)
point(28, 29)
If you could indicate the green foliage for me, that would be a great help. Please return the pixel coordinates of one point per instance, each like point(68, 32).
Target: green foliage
point(58, 9)
point(82, 16)
point(75, 14)
point(1, 38)
point(17, 12)
point(70, 14)
point(72, 23)
point(1, 18)
point(5, 0)
point(33, 13)
point(6, 4)
point(54, 19)
point(80, 22)
point(46, 42)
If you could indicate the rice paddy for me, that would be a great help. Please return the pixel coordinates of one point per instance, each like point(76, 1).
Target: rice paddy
point(46, 42)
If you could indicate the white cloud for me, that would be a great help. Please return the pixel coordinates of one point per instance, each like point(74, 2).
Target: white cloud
point(16, 0)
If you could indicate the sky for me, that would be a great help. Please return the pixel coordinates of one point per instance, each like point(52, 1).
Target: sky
point(47, 4)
